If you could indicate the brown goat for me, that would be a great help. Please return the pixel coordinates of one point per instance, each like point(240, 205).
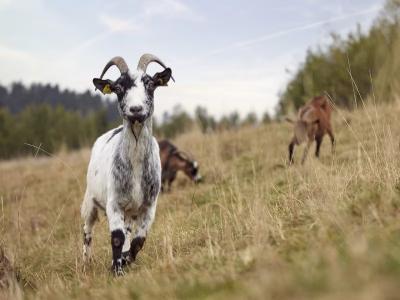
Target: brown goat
point(174, 160)
point(313, 121)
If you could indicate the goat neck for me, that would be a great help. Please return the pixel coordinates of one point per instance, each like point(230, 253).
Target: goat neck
point(134, 145)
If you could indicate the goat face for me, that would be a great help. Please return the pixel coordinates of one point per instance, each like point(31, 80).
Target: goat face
point(193, 170)
point(135, 91)
point(189, 167)
point(135, 94)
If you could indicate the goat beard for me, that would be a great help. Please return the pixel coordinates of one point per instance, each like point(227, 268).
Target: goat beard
point(136, 128)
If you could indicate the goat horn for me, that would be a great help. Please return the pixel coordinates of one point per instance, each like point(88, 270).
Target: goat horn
point(117, 61)
point(146, 59)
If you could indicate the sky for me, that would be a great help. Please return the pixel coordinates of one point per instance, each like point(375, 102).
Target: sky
point(225, 55)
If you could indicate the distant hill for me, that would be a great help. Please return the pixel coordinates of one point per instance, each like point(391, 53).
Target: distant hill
point(17, 97)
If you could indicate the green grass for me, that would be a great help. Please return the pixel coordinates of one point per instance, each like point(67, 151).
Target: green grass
point(254, 229)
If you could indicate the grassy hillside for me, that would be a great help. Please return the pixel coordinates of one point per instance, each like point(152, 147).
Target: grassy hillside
point(254, 229)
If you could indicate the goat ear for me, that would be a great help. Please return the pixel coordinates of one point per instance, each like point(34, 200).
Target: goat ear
point(105, 86)
point(162, 78)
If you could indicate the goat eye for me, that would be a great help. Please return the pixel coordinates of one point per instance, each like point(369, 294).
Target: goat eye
point(150, 84)
point(118, 89)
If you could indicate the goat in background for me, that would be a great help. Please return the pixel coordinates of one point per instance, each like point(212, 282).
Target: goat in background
point(313, 122)
point(174, 160)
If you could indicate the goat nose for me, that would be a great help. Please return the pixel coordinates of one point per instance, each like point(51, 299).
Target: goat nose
point(136, 109)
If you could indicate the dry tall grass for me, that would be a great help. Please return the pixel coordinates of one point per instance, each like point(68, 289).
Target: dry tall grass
point(253, 229)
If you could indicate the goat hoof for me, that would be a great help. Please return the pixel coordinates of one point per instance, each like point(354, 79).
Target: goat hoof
point(119, 272)
point(126, 258)
point(117, 268)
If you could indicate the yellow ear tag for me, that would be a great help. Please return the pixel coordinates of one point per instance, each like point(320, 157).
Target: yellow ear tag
point(107, 89)
point(160, 81)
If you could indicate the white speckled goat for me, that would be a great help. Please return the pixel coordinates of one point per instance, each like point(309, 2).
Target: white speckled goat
point(124, 172)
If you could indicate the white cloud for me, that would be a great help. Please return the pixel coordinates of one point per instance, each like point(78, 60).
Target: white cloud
point(169, 9)
point(87, 44)
point(112, 24)
point(7, 53)
point(150, 10)
point(163, 7)
point(115, 24)
point(19, 5)
point(5, 3)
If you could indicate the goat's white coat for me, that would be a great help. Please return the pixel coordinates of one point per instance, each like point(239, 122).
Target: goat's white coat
point(121, 210)
point(99, 185)
point(138, 97)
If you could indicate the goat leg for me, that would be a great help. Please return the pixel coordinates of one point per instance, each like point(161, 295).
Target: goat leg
point(143, 225)
point(318, 140)
point(306, 149)
point(330, 132)
point(291, 150)
point(90, 216)
point(126, 254)
point(116, 224)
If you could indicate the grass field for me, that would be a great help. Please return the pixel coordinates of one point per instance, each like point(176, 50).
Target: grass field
point(254, 229)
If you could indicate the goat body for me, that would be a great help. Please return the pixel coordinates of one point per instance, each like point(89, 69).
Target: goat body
point(123, 179)
point(313, 122)
point(174, 160)
point(124, 173)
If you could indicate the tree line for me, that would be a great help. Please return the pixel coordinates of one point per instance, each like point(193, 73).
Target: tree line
point(75, 123)
point(178, 121)
point(17, 97)
point(49, 129)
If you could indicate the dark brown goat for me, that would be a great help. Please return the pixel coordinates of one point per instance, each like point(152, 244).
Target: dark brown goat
point(174, 160)
point(313, 121)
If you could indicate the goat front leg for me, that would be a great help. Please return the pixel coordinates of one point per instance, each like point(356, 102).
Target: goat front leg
point(306, 149)
point(291, 150)
point(143, 225)
point(126, 254)
point(318, 140)
point(116, 223)
point(170, 181)
point(332, 137)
